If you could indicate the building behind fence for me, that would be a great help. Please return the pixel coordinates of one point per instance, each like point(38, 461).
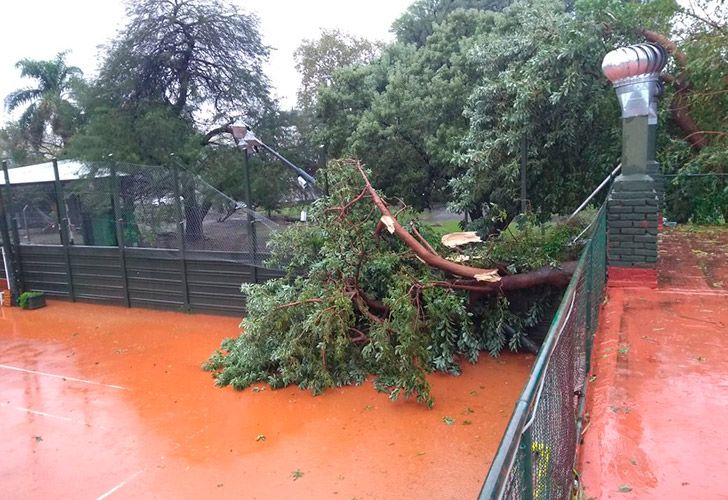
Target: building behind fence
point(132, 235)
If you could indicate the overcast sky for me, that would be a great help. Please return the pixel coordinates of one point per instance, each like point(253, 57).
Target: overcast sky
point(39, 29)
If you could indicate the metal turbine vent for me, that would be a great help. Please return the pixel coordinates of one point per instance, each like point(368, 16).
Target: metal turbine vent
point(634, 63)
point(635, 73)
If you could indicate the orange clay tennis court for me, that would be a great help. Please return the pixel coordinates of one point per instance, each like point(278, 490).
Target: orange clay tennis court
point(100, 401)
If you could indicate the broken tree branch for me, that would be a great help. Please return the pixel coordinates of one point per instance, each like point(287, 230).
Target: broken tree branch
point(420, 250)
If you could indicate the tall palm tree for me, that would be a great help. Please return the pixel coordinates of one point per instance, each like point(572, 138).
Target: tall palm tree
point(48, 104)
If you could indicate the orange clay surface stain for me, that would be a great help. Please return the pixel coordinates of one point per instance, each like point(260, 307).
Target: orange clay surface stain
point(658, 401)
point(99, 401)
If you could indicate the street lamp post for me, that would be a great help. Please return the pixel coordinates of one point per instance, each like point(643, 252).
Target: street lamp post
point(241, 133)
point(247, 140)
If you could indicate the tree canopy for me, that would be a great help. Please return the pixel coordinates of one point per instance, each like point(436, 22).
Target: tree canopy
point(50, 116)
point(419, 20)
point(403, 114)
point(541, 84)
point(318, 59)
point(195, 56)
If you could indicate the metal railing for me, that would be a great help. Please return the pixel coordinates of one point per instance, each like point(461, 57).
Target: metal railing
point(535, 458)
point(607, 181)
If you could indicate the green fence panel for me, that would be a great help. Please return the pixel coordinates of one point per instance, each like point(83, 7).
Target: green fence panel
point(536, 456)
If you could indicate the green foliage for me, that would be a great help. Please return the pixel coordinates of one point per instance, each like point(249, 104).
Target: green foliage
point(50, 115)
point(701, 29)
point(526, 245)
point(541, 83)
point(524, 70)
point(193, 56)
point(402, 114)
point(418, 22)
point(353, 304)
point(318, 59)
point(146, 137)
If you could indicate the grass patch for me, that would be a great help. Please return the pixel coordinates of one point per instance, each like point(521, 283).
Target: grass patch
point(444, 227)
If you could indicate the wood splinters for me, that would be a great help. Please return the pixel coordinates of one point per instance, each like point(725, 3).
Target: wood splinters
point(452, 240)
point(458, 258)
point(389, 222)
point(488, 277)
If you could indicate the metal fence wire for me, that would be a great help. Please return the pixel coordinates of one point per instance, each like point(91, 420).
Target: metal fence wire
point(535, 459)
point(114, 204)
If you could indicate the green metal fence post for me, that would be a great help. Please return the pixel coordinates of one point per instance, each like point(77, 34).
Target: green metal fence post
point(181, 239)
point(13, 241)
point(589, 282)
point(115, 202)
point(252, 237)
point(7, 246)
point(589, 320)
point(525, 449)
point(62, 218)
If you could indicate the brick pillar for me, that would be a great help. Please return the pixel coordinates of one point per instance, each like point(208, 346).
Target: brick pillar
point(632, 222)
point(633, 203)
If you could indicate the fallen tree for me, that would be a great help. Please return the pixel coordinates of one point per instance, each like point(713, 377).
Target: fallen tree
point(371, 292)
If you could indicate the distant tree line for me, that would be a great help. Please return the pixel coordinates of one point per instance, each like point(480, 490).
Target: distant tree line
point(441, 114)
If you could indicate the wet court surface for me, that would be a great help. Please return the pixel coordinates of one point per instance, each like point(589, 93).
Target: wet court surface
point(658, 401)
point(99, 401)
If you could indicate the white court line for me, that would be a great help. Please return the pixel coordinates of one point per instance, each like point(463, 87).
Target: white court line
point(121, 484)
point(57, 417)
point(72, 379)
point(694, 291)
point(44, 414)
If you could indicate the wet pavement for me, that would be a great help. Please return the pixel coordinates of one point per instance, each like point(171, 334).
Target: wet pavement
point(99, 401)
point(658, 397)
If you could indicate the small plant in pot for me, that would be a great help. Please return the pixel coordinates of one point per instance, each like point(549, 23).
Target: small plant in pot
point(32, 300)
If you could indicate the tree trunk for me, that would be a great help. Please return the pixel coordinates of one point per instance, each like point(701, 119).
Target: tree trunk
point(680, 103)
point(194, 214)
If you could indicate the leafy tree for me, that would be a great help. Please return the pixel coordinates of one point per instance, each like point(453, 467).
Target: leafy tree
point(555, 97)
point(50, 116)
point(15, 147)
point(178, 67)
point(402, 114)
point(541, 83)
point(696, 93)
point(195, 56)
point(420, 19)
point(146, 136)
point(317, 59)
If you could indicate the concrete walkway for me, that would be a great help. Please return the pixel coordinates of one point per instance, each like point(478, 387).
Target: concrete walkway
point(658, 401)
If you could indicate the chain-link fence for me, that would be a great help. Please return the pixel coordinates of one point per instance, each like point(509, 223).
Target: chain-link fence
point(120, 204)
point(536, 456)
point(133, 235)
